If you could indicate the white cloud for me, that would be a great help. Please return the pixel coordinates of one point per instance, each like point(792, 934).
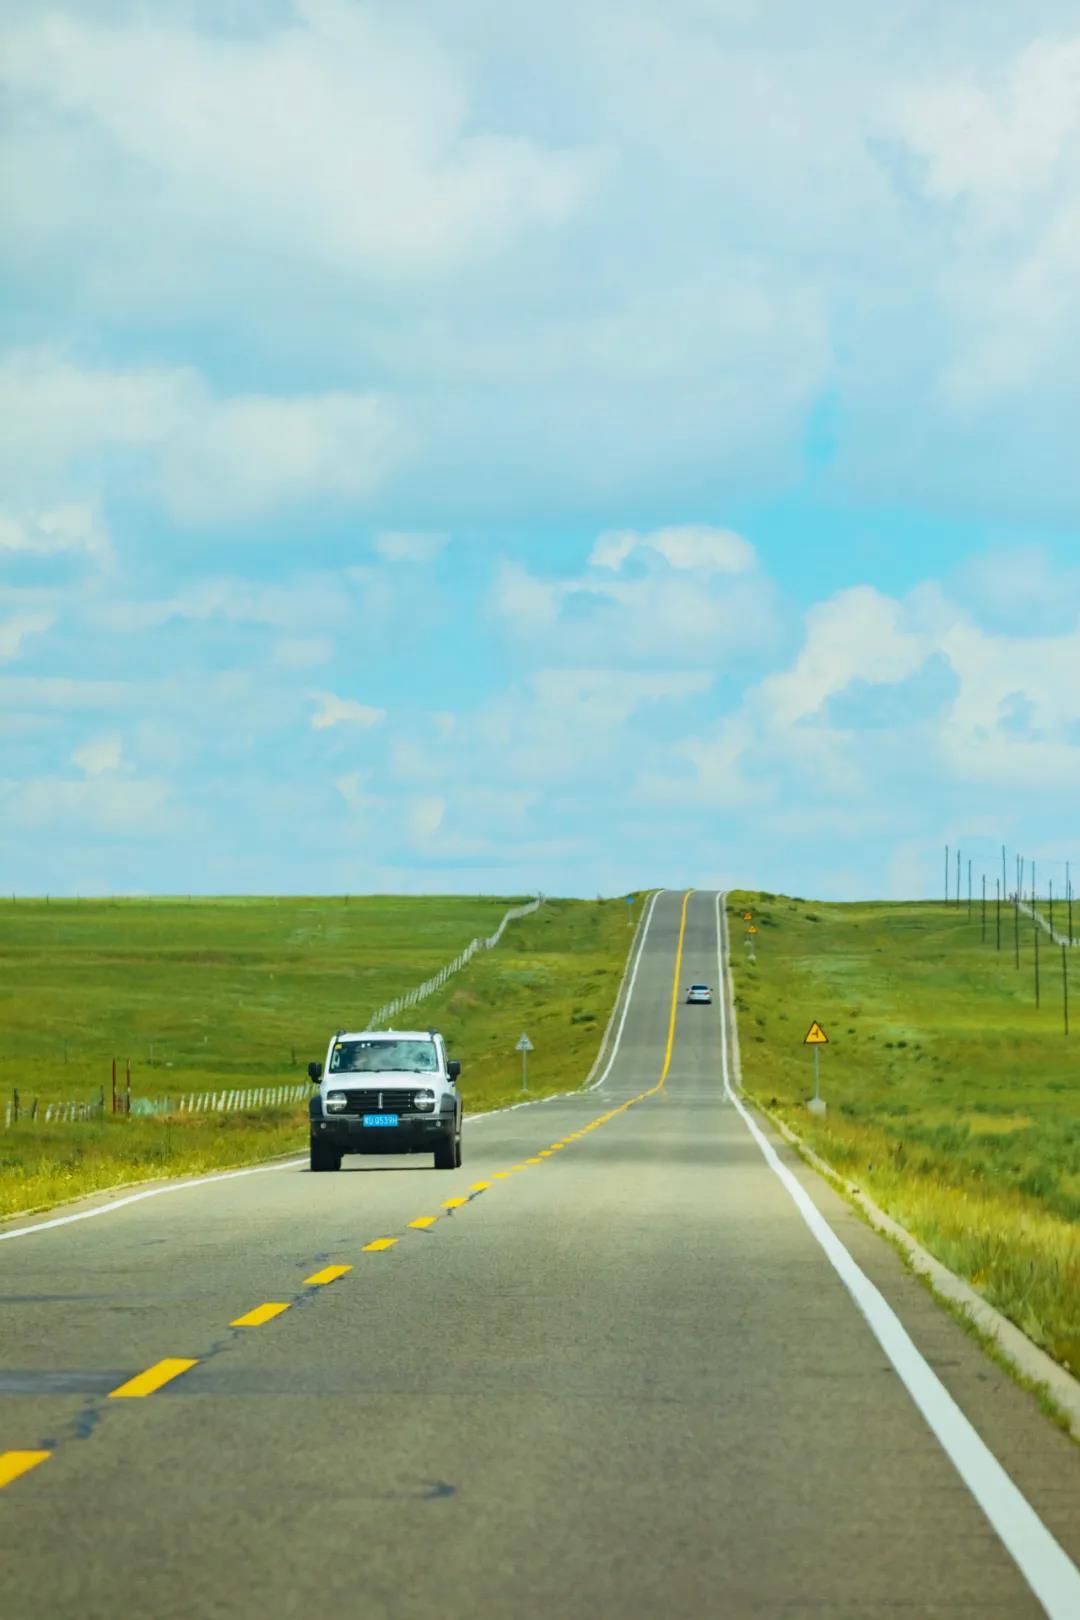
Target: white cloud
point(857, 634)
point(998, 138)
point(336, 711)
point(354, 790)
point(107, 805)
point(426, 816)
point(699, 598)
point(1000, 155)
point(99, 755)
point(14, 631)
point(341, 135)
point(73, 528)
point(59, 692)
point(295, 602)
point(403, 546)
point(691, 547)
point(207, 457)
point(303, 652)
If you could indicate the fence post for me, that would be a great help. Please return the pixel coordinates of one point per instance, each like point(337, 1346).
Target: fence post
point(127, 1087)
point(1035, 925)
point(114, 1085)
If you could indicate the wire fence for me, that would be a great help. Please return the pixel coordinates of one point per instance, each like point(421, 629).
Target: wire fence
point(390, 1009)
point(32, 1111)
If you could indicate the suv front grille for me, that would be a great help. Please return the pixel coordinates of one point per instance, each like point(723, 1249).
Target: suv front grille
point(381, 1102)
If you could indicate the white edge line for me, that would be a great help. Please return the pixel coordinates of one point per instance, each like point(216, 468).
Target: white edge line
point(1044, 1564)
point(291, 1164)
point(149, 1192)
point(625, 985)
point(613, 1054)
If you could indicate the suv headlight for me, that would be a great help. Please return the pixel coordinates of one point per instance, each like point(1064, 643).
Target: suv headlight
point(336, 1101)
point(424, 1100)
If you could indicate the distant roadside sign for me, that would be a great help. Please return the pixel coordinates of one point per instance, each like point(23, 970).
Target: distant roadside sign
point(524, 1046)
point(752, 928)
point(816, 1036)
point(748, 916)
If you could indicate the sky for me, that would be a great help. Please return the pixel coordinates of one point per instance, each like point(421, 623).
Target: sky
point(468, 447)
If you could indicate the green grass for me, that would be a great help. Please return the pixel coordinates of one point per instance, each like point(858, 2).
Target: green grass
point(951, 1099)
point(212, 993)
point(225, 992)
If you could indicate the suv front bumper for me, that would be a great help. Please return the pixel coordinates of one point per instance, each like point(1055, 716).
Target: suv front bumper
point(414, 1133)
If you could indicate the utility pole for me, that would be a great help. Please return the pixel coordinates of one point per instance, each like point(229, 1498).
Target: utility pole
point(998, 884)
point(946, 875)
point(1068, 885)
point(984, 908)
point(1065, 986)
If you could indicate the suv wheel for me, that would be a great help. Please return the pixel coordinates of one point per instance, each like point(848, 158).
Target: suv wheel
point(448, 1152)
point(323, 1156)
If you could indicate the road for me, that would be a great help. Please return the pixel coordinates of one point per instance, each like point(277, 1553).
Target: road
point(621, 1379)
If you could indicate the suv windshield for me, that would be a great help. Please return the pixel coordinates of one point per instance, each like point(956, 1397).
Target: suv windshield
point(380, 1056)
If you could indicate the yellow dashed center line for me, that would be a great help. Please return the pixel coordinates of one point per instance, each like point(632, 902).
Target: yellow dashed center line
point(328, 1275)
point(534, 1161)
point(261, 1314)
point(479, 1186)
point(145, 1383)
point(424, 1221)
point(378, 1245)
point(15, 1463)
point(500, 1175)
point(454, 1203)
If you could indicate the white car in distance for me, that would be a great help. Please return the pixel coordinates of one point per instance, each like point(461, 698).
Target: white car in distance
point(698, 995)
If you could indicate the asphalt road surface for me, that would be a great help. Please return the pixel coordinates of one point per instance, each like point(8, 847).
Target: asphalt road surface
point(620, 1376)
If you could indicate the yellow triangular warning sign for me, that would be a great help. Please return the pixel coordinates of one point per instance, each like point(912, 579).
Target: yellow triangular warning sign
point(752, 929)
point(748, 916)
point(816, 1037)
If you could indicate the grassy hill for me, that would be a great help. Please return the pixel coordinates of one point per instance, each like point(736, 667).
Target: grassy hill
point(241, 993)
point(951, 1098)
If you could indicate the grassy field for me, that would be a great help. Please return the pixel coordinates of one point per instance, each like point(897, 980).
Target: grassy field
point(951, 1099)
point(217, 994)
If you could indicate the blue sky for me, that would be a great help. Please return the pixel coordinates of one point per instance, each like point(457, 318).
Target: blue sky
point(470, 448)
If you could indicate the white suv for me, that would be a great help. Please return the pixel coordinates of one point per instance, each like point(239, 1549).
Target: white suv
point(385, 1091)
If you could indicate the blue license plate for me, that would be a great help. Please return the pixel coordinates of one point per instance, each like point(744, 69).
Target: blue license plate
point(380, 1119)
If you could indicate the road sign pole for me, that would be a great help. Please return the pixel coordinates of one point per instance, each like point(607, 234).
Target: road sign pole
point(817, 1038)
point(524, 1046)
